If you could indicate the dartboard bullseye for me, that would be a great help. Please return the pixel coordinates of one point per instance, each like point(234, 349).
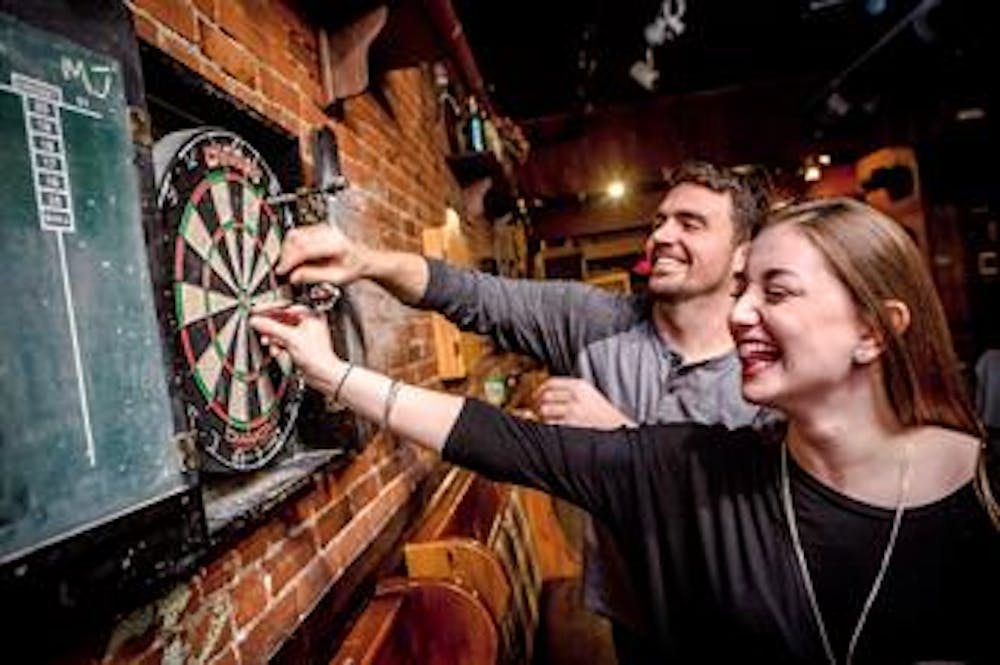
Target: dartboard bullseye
point(225, 240)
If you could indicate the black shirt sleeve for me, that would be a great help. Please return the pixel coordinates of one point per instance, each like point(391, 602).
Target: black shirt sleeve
point(608, 473)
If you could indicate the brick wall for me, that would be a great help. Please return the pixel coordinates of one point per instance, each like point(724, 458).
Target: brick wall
point(244, 603)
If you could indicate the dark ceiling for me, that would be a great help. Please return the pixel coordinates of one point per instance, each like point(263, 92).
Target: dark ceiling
point(544, 57)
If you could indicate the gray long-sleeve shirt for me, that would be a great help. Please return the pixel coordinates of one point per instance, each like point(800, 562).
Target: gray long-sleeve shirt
point(609, 340)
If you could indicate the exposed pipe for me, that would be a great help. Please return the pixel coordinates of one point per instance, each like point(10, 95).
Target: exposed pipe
point(911, 17)
point(448, 25)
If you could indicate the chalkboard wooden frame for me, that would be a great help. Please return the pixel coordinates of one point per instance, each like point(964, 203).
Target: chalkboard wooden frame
point(79, 581)
point(79, 578)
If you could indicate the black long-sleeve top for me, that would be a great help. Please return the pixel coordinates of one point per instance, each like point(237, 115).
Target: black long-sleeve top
point(698, 513)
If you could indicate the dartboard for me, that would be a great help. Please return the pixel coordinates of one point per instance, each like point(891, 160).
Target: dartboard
point(223, 241)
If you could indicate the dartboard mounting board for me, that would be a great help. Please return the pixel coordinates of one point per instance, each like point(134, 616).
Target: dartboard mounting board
point(224, 240)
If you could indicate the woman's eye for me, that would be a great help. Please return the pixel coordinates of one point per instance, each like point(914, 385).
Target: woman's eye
point(775, 295)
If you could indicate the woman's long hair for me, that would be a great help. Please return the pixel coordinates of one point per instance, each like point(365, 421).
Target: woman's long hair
point(877, 261)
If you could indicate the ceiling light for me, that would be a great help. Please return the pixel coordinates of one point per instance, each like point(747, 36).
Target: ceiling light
point(812, 173)
point(644, 72)
point(665, 26)
point(973, 113)
point(616, 189)
point(823, 159)
point(837, 105)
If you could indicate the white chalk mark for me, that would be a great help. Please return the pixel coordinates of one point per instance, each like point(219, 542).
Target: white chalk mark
point(74, 340)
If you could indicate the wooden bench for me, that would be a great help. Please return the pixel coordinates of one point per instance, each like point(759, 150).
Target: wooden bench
point(477, 534)
point(475, 564)
point(420, 622)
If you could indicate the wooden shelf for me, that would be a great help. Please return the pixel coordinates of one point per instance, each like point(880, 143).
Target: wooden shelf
point(407, 39)
point(471, 167)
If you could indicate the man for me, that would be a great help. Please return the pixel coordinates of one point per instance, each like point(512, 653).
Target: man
point(616, 360)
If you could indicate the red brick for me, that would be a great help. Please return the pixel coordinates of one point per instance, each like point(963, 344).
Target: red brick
point(293, 555)
point(361, 465)
point(312, 113)
point(227, 657)
point(144, 29)
point(247, 21)
point(334, 558)
point(272, 629)
point(206, 7)
point(178, 16)
point(312, 89)
point(311, 585)
point(353, 539)
point(276, 89)
point(302, 45)
point(316, 499)
point(229, 54)
point(254, 547)
point(152, 657)
point(391, 468)
point(219, 573)
point(332, 520)
point(139, 648)
point(181, 51)
point(380, 507)
point(249, 597)
point(210, 632)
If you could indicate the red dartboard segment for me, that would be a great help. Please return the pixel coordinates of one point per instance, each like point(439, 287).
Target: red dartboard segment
point(212, 193)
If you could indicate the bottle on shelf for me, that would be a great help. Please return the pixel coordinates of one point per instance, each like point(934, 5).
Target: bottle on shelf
point(457, 142)
point(492, 135)
point(451, 109)
point(475, 131)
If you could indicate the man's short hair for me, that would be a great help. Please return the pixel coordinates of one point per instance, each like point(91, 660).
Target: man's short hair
point(749, 189)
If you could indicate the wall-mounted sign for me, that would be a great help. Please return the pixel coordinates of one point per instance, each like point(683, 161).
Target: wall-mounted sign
point(87, 424)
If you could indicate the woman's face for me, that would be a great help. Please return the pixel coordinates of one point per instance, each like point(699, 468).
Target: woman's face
point(795, 325)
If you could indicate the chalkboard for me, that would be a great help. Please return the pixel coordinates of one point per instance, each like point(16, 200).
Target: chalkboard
point(86, 427)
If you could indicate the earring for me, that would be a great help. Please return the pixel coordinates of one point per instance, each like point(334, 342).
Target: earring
point(861, 356)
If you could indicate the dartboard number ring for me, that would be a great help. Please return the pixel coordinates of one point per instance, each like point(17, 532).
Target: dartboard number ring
point(224, 240)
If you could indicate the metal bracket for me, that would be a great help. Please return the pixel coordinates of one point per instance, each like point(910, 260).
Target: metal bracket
point(184, 443)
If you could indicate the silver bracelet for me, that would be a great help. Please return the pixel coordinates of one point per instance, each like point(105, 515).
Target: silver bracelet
point(340, 384)
point(390, 401)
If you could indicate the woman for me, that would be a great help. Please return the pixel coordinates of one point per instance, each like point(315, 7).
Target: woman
point(855, 533)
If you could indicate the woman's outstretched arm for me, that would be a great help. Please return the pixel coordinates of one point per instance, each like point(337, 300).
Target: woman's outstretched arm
point(424, 416)
point(593, 468)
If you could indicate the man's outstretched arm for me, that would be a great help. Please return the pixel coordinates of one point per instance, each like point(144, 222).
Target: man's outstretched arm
point(323, 253)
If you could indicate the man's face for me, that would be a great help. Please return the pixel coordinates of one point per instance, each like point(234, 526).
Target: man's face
point(692, 248)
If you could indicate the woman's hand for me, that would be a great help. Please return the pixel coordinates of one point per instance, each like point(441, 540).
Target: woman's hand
point(305, 336)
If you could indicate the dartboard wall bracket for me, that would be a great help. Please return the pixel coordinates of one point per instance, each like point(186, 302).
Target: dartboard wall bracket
point(225, 215)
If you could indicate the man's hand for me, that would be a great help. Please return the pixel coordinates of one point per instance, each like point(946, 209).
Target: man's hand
point(569, 401)
point(304, 335)
point(321, 253)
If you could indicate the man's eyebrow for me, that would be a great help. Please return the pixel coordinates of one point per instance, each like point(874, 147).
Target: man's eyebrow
point(691, 214)
point(660, 216)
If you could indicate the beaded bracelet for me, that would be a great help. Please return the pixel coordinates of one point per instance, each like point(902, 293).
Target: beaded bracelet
point(340, 384)
point(390, 400)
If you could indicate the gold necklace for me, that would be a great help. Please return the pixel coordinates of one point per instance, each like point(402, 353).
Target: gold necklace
point(800, 556)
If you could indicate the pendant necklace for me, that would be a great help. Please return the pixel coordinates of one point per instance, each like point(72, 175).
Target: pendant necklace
point(800, 557)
